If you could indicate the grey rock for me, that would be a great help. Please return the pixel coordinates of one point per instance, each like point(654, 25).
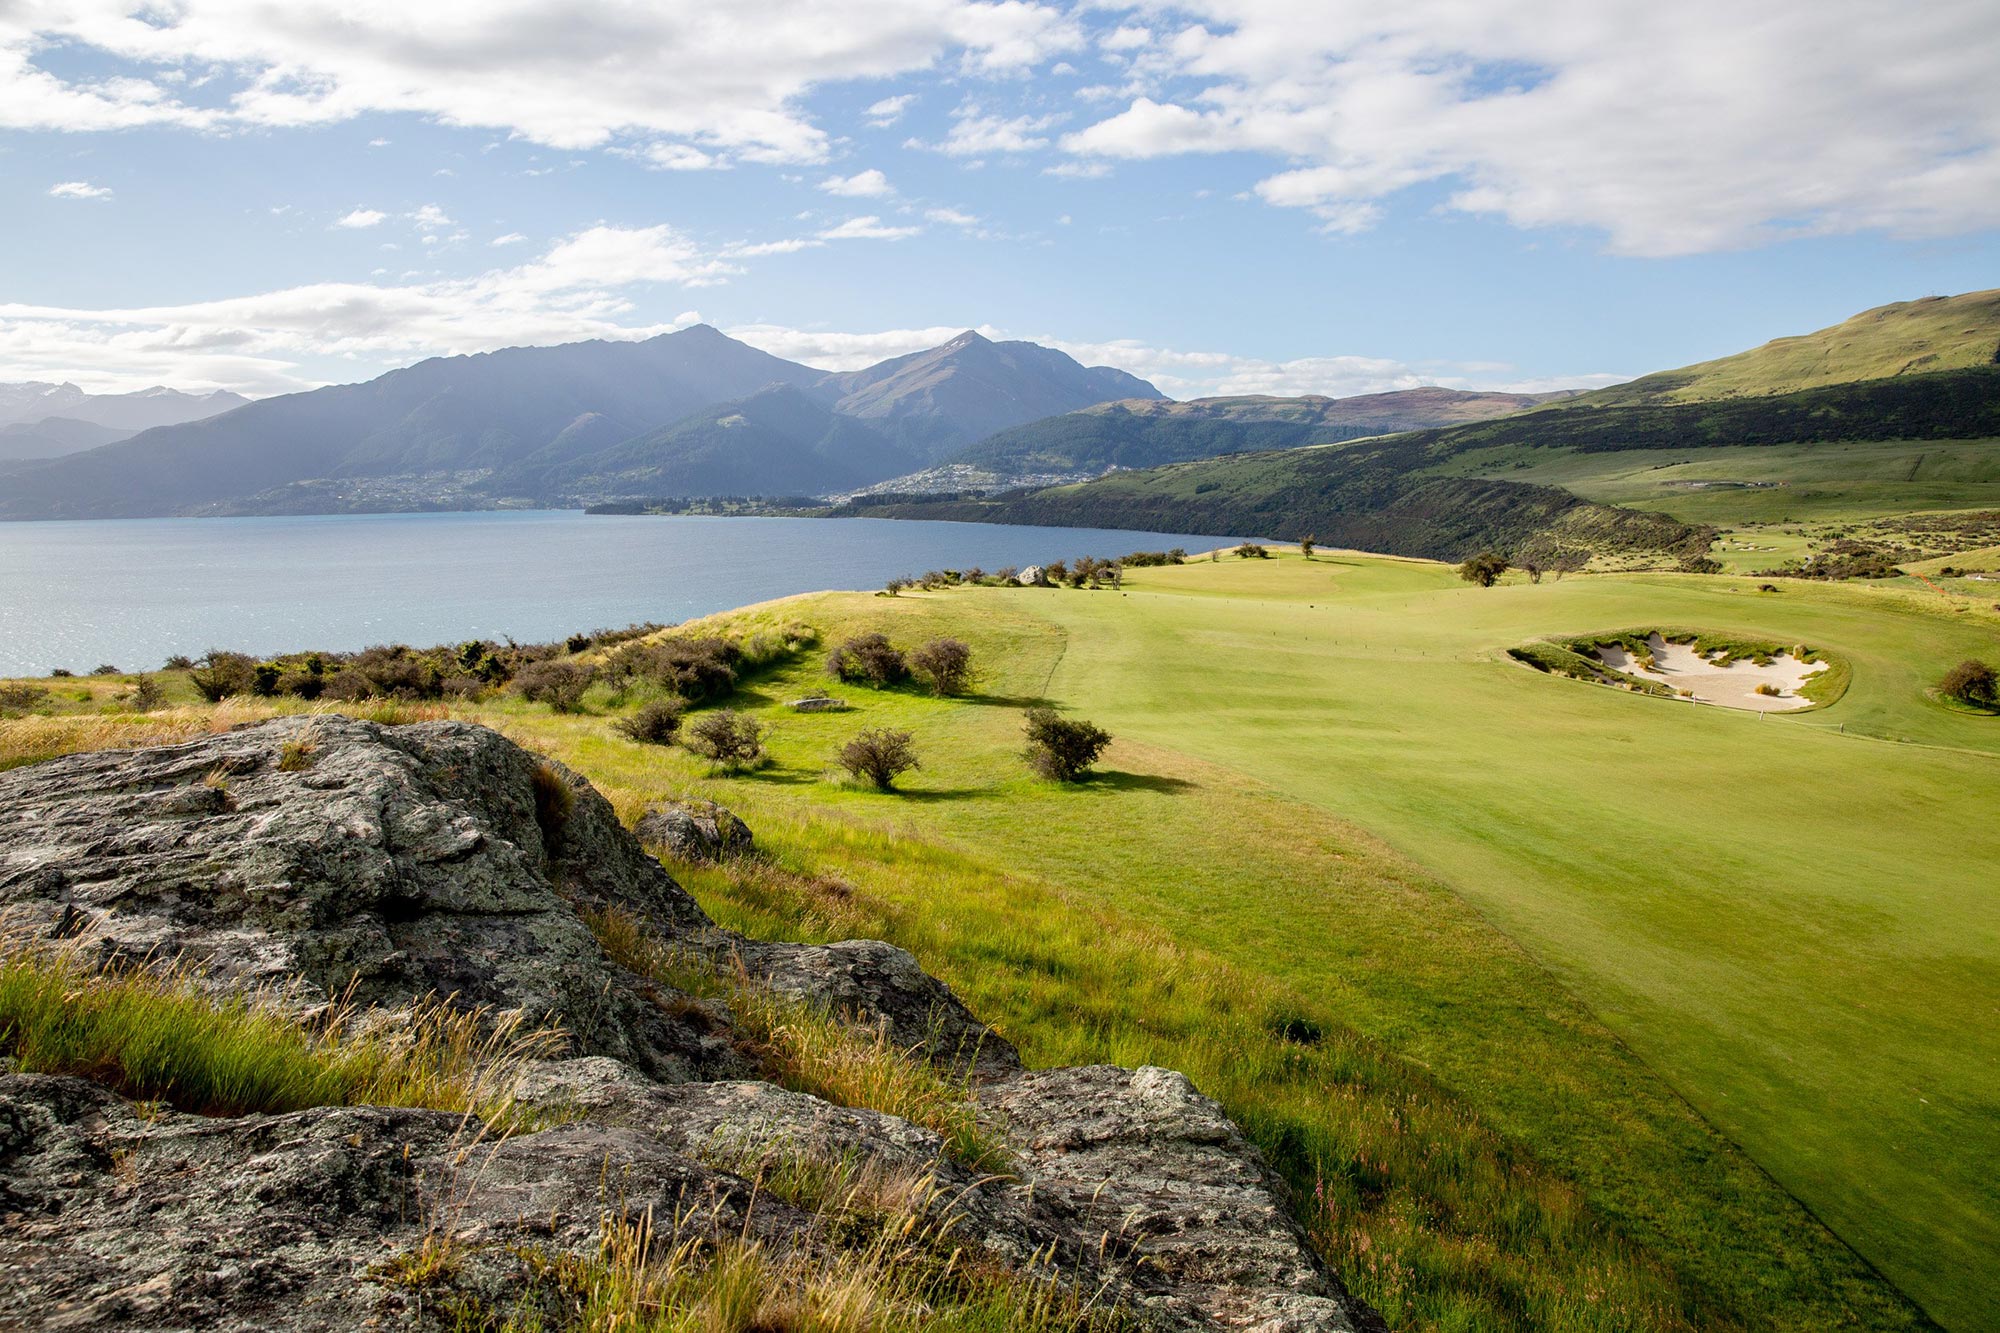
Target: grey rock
point(817, 703)
point(403, 862)
point(882, 986)
point(694, 830)
point(1143, 1158)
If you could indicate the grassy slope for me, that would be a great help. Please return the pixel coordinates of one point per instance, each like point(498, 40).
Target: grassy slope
point(1908, 337)
point(1215, 872)
point(1839, 973)
point(1816, 975)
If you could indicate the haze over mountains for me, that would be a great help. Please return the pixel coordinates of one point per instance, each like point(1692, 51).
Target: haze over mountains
point(41, 420)
point(686, 414)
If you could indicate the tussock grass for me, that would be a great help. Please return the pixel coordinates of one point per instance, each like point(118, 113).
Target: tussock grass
point(39, 736)
point(904, 1278)
point(1430, 1214)
point(154, 1034)
point(807, 1049)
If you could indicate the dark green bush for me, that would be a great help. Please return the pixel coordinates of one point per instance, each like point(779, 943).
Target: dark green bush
point(222, 674)
point(943, 664)
point(881, 756)
point(868, 657)
point(1062, 749)
point(727, 737)
point(558, 684)
point(655, 723)
point(1972, 682)
point(1484, 569)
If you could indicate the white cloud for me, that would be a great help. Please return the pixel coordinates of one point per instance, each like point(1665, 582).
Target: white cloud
point(861, 185)
point(361, 217)
point(889, 110)
point(954, 216)
point(674, 157)
point(726, 80)
point(867, 229)
point(1672, 129)
point(378, 143)
point(511, 238)
point(975, 134)
point(1082, 171)
point(430, 218)
point(1125, 38)
point(575, 290)
point(79, 190)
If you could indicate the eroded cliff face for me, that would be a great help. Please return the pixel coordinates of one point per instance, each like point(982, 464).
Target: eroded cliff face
point(397, 864)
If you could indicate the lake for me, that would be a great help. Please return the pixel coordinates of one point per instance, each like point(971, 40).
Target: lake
point(133, 592)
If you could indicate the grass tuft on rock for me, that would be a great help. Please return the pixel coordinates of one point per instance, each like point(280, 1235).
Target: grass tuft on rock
point(156, 1034)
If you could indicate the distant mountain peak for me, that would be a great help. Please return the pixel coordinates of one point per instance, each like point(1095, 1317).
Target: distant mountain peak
point(969, 338)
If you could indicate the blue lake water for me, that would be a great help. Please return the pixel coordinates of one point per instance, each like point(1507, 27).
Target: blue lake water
point(134, 592)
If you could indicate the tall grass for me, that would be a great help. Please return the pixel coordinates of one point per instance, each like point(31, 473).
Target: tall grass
point(154, 1034)
point(1426, 1211)
point(897, 1270)
point(808, 1049)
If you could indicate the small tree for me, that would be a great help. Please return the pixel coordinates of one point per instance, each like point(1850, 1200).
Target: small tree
point(728, 738)
point(146, 695)
point(1972, 682)
point(1062, 749)
point(1252, 551)
point(560, 685)
point(869, 657)
point(1484, 569)
point(881, 756)
point(221, 675)
point(944, 664)
point(1306, 545)
point(654, 724)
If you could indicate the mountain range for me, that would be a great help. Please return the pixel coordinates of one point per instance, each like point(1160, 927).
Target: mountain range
point(40, 420)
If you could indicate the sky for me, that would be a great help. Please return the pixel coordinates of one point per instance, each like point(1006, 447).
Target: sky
point(1223, 196)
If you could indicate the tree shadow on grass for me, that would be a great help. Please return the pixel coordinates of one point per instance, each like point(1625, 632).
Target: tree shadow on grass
point(1022, 701)
point(1116, 781)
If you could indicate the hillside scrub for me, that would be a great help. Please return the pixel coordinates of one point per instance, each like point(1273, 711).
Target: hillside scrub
point(1062, 749)
point(1484, 569)
point(1972, 682)
point(868, 657)
point(655, 723)
point(879, 755)
point(727, 738)
point(944, 664)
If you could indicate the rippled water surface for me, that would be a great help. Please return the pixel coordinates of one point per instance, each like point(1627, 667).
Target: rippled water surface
point(134, 592)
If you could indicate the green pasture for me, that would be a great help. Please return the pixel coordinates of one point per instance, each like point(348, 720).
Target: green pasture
point(1791, 920)
point(1780, 483)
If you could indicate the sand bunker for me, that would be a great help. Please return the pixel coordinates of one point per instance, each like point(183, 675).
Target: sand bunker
point(1683, 670)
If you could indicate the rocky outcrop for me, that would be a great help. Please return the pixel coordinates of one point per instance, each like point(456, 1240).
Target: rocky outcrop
point(694, 830)
point(397, 863)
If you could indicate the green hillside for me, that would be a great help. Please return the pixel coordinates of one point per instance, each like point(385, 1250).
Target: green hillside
point(1906, 338)
point(1150, 433)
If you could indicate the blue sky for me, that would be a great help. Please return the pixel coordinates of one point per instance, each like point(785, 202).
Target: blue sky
point(1221, 195)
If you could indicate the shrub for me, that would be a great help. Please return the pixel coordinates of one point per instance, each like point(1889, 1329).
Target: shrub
point(560, 685)
point(178, 662)
point(697, 669)
point(61, 673)
point(1972, 682)
point(881, 756)
point(1252, 551)
point(1770, 691)
point(728, 738)
point(895, 586)
point(146, 695)
point(869, 657)
point(654, 724)
point(944, 664)
point(1484, 569)
point(20, 698)
point(104, 669)
point(222, 674)
point(1060, 748)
